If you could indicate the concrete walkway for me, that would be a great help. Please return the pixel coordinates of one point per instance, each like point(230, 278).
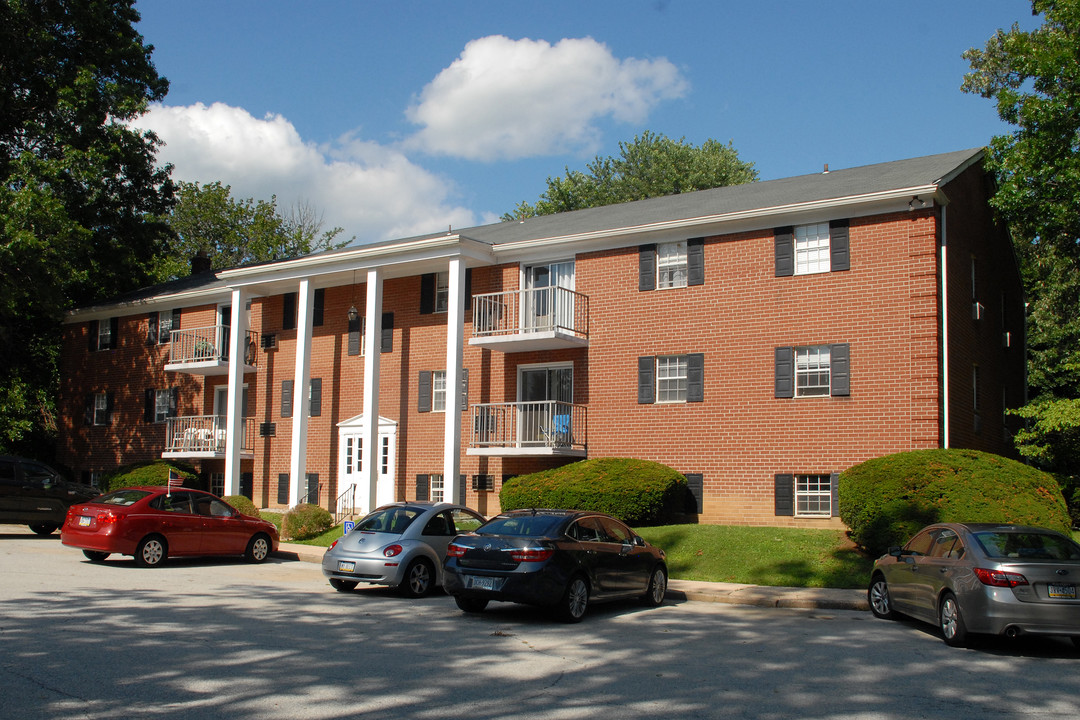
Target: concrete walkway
point(732, 593)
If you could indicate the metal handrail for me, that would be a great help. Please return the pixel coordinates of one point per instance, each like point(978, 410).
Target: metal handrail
point(205, 433)
point(545, 423)
point(346, 504)
point(545, 309)
point(208, 344)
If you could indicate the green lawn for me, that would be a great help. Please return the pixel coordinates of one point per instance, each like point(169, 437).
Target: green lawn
point(752, 555)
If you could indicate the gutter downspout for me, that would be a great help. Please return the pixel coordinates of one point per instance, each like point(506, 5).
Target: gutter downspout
point(944, 266)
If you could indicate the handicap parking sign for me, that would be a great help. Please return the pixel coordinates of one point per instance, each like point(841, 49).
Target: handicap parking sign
point(349, 524)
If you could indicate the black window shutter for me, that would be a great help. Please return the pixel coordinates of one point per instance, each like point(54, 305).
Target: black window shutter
point(88, 418)
point(174, 401)
point(354, 336)
point(695, 377)
point(464, 389)
point(784, 495)
point(468, 291)
point(784, 238)
point(423, 487)
point(311, 491)
point(316, 397)
point(288, 311)
point(94, 329)
point(427, 293)
point(109, 398)
point(695, 261)
point(840, 369)
point(114, 332)
point(695, 482)
point(646, 382)
point(834, 485)
point(387, 344)
point(423, 392)
point(784, 364)
point(148, 405)
point(839, 246)
point(286, 398)
point(175, 323)
point(461, 489)
point(317, 307)
point(152, 329)
point(647, 267)
point(283, 488)
point(246, 481)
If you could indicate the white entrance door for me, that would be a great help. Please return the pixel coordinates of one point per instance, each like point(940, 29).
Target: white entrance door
point(351, 455)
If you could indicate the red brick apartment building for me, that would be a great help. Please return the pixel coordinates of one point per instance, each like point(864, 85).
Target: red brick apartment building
point(758, 338)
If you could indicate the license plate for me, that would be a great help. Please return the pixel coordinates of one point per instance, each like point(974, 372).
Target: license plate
point(481, 583)
point(1061, 591)
point(84, 521)
point(343, 566)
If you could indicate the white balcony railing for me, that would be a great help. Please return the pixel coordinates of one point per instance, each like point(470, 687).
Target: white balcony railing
point(539, 428)
point(554, 310)
point(200, 435)
point(208, 345)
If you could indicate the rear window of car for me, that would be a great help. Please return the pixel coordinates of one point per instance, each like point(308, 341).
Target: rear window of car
point(389, 520)
point(1027, 546)
point(523, 525)
point(122, 497)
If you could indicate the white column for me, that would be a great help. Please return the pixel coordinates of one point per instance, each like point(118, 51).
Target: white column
point(301, 405)
point(368, 496)
point(455, 339)
point(234, 423)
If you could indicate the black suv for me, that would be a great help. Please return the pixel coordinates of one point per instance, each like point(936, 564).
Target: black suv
point(33, 493)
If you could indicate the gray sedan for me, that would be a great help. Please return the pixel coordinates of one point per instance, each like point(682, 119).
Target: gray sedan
point(402, 545)
point(982, 578)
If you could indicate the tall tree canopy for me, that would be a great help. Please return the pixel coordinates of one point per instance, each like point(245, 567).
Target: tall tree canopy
point(650, 166)
point(81, 196)
point(1034, 77)
point(206, 219)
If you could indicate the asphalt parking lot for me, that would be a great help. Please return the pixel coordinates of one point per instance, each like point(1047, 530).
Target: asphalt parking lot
point(222, 638)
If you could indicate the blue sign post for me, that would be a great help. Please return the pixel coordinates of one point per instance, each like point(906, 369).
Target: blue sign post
point(348, 525)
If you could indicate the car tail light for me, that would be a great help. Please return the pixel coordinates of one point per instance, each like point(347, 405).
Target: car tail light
point(332, 545)
point(534, 554)
point(107, 518)
point(1000, 578)
point(392, 550)
point(455, 550)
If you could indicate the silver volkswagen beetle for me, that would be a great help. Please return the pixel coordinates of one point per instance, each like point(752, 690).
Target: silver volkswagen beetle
point(401, 544)
point(982, 578)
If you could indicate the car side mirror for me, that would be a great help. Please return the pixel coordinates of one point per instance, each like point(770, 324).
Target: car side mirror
point(638, 541)
point(896, 551)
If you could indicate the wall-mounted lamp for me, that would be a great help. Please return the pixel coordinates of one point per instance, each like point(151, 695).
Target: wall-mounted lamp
point(914, 200)
point(353, 313)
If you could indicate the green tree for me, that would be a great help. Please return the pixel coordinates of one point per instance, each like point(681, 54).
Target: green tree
point(206, 219)
point(1034, 78)
point(652, 165)
point(79, 190)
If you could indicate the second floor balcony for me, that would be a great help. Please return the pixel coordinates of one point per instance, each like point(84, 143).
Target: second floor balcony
point(205, 350)
point(548, 318)
point(204, 436)
point(547, 427)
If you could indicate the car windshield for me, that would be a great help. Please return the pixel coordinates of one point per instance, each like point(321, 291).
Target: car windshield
point(523, 525)
point(389, 520)
point(1027, 545)
point(122, 497)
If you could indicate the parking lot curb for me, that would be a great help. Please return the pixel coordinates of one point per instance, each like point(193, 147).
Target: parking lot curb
point(730, 593)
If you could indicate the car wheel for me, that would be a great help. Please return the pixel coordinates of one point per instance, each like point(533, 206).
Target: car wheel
point(95, 556)
point(470, 605)
point(44, 528)
point(878, 597)
point(342, 585)
point(258, 548)
point(575, 601)
point(419, 578)
point(951, 621)
point(654, 596)
point(151, 551)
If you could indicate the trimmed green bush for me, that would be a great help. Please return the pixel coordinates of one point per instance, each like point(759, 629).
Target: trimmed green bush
point(305, 521)
point(884, 501)
point(152, 472)
point(638, 492)
point(243, 504)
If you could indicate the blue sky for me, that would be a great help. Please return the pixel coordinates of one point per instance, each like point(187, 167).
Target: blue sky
point(401, 118)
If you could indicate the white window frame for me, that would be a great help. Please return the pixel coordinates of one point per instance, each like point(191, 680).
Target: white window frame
point(104, 334)
point(438, 391)
point(436, 488)
point(813, 495)
point(161, 405)
point(217, 483)
point(672, 266)
point(164, 327)
point(812, 363)
point(442, 291)
point(671, 378)
point(812, 249)
point(101, 408)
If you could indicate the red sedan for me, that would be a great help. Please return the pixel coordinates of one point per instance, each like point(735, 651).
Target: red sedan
point(153, 523)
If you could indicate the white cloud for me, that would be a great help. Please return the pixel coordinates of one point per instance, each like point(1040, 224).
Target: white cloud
point(507, 99)
point(373, 192)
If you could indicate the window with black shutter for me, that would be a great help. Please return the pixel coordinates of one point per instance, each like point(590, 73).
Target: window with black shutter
point(427, 293)
point(311, 490)
point(423, 392)
point(387, 344)
point(286, 398)
point(356, 334)
point(695, 261)
point(695, 483)
point(784, 372)
point(288, 312)
point(839, 246)
point(646, 394)
point(283, 488)
point(423, 487)
point(318, 303)
point(316, 397)
point(784, 495)
point(647, 267)
point(695, 377)
point(152, 329)
point(784, 242)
